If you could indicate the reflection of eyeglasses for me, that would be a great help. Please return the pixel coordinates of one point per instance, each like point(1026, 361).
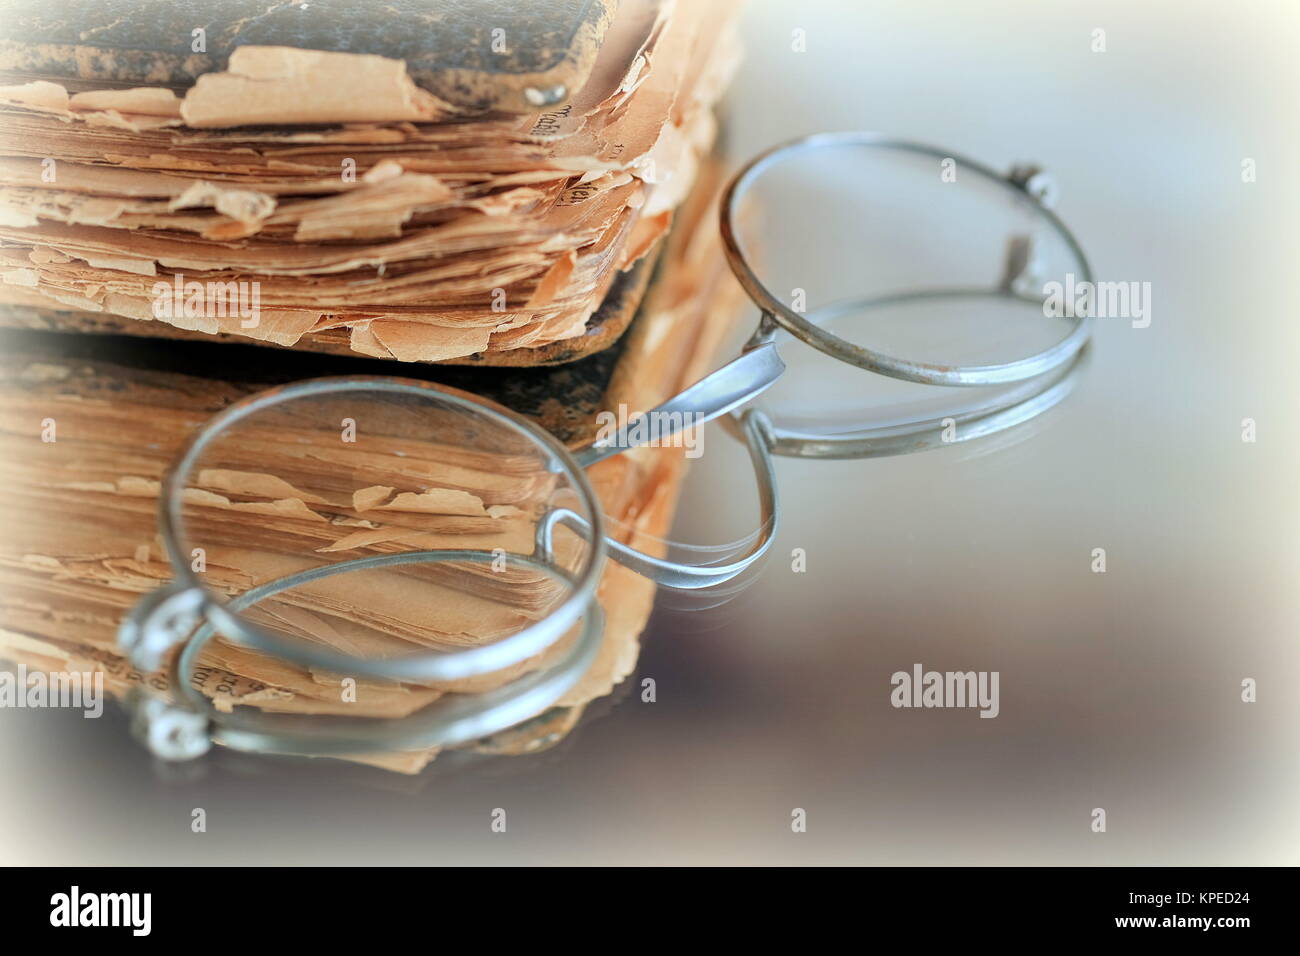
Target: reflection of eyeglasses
point(536, 591)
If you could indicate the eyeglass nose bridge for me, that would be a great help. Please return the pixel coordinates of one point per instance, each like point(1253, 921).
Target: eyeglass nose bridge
point(757, 431)
point(738, 382)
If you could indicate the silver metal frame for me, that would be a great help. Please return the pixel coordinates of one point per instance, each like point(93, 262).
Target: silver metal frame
point(185, 614)
point(1019, 181)
point(452, 719)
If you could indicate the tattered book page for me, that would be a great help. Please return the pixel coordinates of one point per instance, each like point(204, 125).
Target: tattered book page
point(315, 199)
point(283, 494)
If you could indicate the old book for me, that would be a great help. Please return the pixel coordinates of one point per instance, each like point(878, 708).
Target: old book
point(80, 543)
point(322, 200)
point(474, 55)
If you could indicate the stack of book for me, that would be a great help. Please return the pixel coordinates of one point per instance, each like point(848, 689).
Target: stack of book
point(453, 188)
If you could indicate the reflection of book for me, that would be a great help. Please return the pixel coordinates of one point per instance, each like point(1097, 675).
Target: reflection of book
point(79, 545)
point(367, 214)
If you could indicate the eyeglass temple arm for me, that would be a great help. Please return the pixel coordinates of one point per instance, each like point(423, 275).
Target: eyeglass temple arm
point(758, 435)
point(716, 394)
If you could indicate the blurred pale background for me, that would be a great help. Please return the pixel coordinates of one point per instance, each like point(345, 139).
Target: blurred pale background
point(1118, 690)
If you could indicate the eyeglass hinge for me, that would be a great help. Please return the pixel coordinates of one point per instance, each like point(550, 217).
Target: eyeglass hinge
point(159, 621)
point(1036, 182)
